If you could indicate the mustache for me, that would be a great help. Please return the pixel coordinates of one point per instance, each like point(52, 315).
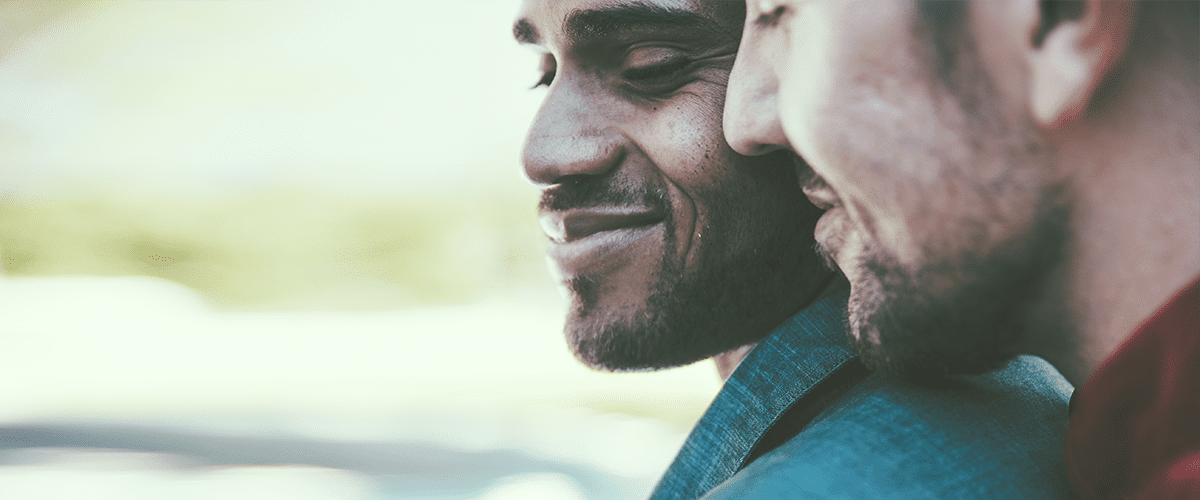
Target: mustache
point(583, 194)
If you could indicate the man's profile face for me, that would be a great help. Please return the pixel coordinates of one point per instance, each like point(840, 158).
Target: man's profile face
point(940, 207)
point(672, 247)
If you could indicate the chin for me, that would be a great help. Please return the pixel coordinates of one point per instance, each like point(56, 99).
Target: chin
point(622, 339)
point(692, 316)
point(899, 326)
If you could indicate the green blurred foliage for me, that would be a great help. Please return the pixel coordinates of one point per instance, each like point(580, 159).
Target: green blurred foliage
point(286, 249)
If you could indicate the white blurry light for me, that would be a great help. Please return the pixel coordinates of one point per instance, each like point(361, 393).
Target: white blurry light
point(103, 475)
point(620, 444)
point(361, 94)
point(484, 376)
point(543, 486)
point(90, 347)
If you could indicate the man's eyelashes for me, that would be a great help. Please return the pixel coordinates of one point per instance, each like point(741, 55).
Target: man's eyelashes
point(656, 71)
point(648, 74)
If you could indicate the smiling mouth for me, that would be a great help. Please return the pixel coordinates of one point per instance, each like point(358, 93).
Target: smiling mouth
point(829, 232)
point(819, 192)
point(572, 225)
point(591, 241)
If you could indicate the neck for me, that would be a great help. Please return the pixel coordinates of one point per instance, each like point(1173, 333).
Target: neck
point(1133, 176)
point(728, 361)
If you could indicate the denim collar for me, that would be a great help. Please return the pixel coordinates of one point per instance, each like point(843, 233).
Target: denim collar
point(778, 372)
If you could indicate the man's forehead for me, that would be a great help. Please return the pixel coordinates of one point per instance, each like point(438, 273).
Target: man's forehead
point(579, 21)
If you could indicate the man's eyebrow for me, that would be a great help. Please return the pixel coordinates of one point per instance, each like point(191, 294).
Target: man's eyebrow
point(607, 21)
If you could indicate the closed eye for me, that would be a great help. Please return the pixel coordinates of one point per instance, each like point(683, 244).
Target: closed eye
point(656, 71)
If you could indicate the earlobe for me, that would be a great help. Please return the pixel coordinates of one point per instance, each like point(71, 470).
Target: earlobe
point(1075, 57)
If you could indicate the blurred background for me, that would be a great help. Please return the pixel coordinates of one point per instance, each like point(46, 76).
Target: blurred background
point(269, 249)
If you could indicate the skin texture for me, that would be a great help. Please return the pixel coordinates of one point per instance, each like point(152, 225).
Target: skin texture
point(671, 247)
point(985, 169)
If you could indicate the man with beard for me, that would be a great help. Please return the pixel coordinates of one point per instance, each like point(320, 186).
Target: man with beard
point(1003, 178)
point(674, 249)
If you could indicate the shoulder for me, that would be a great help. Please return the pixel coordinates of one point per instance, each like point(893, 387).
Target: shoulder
point(990, 436)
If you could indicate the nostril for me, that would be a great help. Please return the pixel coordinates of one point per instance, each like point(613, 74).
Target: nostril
point(550, 158)
point(572, 180)
point(747, 144)
point(753, 129)
point(737, 134)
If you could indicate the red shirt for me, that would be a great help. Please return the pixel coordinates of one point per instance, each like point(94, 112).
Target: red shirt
point(1135, 424)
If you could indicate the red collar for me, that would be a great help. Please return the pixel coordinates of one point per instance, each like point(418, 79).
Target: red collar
point(1139, 413)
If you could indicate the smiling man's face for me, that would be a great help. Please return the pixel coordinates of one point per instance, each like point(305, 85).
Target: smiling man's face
point(672, 247)
point(941, 208)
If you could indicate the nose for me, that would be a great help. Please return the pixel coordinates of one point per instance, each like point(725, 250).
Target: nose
point(570, 137)
point(751, 118)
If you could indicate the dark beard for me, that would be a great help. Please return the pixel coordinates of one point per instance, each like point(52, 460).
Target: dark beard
point(725, 303)
point(974, 326)
point(690, 317)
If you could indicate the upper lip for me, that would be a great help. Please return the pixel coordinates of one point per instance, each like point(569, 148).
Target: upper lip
point(819, 193)
point(574, 224)
point(813, 185)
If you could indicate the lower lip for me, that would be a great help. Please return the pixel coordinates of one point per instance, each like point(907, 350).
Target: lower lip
point(827, 230)
point(601, 251)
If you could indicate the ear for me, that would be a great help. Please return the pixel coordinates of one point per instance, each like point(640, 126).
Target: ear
point(1075, 56)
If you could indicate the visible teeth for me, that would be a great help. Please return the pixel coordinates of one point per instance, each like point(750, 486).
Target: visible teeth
point(573, 225)
point(554, 228)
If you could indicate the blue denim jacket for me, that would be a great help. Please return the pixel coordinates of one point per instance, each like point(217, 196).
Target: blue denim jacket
point(866, 435)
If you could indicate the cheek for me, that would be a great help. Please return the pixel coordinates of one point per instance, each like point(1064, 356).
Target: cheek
point(875, 157)
point(880, 207)
point(687, 145)
point(806, 70)
point(686, 149)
